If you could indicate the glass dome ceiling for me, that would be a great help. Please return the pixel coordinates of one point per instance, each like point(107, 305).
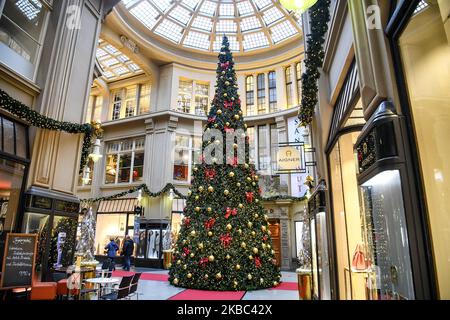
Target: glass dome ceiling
point(200, 24)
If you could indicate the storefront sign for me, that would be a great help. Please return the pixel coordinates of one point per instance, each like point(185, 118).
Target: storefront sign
point(19, 260)
point(66, 206)
point(295, 134)
point(41, 202)
point(289, 158)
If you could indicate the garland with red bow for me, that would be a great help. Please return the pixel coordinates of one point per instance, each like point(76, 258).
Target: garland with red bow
point(203, 262)
point(210, 173)
point(249, 197)
point(226, 240)
point(257, 262)
point(210, 223)
point(231, 212)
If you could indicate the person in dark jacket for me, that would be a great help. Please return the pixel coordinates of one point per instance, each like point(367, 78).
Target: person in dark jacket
point(112, 249)
point(127, 252)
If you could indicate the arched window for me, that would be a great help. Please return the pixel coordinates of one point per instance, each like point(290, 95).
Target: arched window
point(272, 92)
point(261, 93)
point(299, 81)
point(289, 87)
point(250, 95)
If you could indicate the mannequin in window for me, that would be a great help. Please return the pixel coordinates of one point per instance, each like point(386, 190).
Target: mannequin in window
point(156, 245)
point(151, 241)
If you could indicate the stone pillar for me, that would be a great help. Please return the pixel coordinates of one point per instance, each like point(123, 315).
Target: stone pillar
point(294, 84)
point(281, 89)
point(65, 76)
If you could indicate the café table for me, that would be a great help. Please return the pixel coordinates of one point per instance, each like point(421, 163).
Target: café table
point(102, 282)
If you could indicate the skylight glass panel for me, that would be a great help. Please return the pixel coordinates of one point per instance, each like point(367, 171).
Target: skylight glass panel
point(121, 71)
point(134, 67)
point(163, 5)
point(180, 14)
point(129, 3)
point(255, 40)
point(421, 6)
point(101, 53)
point(111, 49)
point(30, 8)
point(250, 23)
point(110, 62)
point(145, 13)
point(245, 8)
point(272, 15)
point(123, 58)
point(190, 3)
point(226, 26)
point(202, 23)
point(227, 10)
point(108, 74)
point(170, 30)
point(282, 31)
point(261, 4)
point(234, 44)
point(197, 40)
point(208, 8)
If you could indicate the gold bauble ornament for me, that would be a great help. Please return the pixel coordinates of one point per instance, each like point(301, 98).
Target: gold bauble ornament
point(185, 266)
point(266, 217)
point(197, 209)
point(256, 200)
point(226, 192)
point(261, 280)
point(209, 209)
point(225, 94)
point(275, 283)
point(227, 124)
point(250, 257)
point(200, 188)
point(200, 245)
point(179, 262)
point(263, 228)
point(249, 179)
point(256, 178)
point(231, 174)
point(235, 146)
point(184, 241)
point(273, 251)
point(253, 183)
point(219, 276)
point(256, 216)
point(269, 232)
point(206, 276)
point(232, 98)
point(210, 233)
point(249, 277)
point(228, 257)
point(253, 233)
point(246, 166)
point(189, 192)
point(175, 281)
point(243, 244)
point(235, 283)
point(255, 250)
point(240, 205)
point(238, 184)
point(211, 258)
point(249, 224)
point(193, 233)
point(263, 246)
point(236, 117)
point(210, 189)
point(240, 112)
point(268, 246)
point(227, 83)
point(195, 168)
point(238, 267)
point(229, 227)
point(219, 112)
point(216, 125)
point(192, 255)
point(197, 197)
point(240, 231)
point(189, 275)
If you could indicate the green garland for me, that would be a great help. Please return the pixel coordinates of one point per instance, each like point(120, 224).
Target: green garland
point(319, 18)
point(166, 189)
point(36, 119)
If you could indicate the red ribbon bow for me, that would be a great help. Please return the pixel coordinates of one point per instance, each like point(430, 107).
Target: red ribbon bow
point(211, 119)
point(225, 65)
point(210, 223)
point(187, 221)
point(203, 262)
point(186, 251)
point(257, 262)
point(231, 130)
point(228, 105)
point(249, 197)
point(265, 237)
point(226, 240)
point(230, 212)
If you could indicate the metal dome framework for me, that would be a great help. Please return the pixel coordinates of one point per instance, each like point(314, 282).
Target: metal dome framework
point(200, 24)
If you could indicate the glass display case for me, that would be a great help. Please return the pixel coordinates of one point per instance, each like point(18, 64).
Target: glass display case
point(382, 193)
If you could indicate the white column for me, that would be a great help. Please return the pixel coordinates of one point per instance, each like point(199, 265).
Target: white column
point(294, 84)
point(281, 88)
point(266, 83)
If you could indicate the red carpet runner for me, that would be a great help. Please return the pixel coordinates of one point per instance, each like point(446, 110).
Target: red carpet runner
point(190, 294)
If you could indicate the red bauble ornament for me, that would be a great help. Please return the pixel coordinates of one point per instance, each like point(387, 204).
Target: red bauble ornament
point(210, 173)
point(257, 262)
point(228, 105)
point(186, 251)
point(187, 222)
point(203, 262)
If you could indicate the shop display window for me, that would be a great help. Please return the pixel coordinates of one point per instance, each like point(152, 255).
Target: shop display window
point(189, 92)
point(425, 53)
point(111, 226)
point(386, 237)
point(315, 267)
point(323, 263)
point(187, 152)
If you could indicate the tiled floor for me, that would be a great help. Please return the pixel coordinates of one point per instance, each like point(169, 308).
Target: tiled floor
point(160, 289)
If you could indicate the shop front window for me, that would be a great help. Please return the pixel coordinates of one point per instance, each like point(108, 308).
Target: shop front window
point(201, 99)
point(187, 152)
point(34, 223)
point(22, 24)
point(348, 230)
point(124, 161)
point(111, 226)
point(425, 51)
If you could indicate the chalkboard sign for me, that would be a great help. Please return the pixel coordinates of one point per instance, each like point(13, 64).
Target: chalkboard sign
point(18, 260)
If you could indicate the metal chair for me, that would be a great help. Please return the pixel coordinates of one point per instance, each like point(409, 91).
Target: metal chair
point(121, 292)
point(134, 286)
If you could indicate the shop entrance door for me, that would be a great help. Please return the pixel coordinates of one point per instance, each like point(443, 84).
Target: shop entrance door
point(274, 227)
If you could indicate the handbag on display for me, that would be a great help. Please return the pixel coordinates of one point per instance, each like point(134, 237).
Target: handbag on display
point(359, 261)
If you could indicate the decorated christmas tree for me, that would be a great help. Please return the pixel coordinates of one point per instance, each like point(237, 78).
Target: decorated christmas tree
point(86, 243)
point(224, 241)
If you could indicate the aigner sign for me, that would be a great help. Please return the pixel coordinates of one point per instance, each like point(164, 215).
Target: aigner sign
point(289, 158)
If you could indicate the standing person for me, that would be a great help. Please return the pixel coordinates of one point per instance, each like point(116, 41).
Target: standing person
point(127, 252)
point(112, 249)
